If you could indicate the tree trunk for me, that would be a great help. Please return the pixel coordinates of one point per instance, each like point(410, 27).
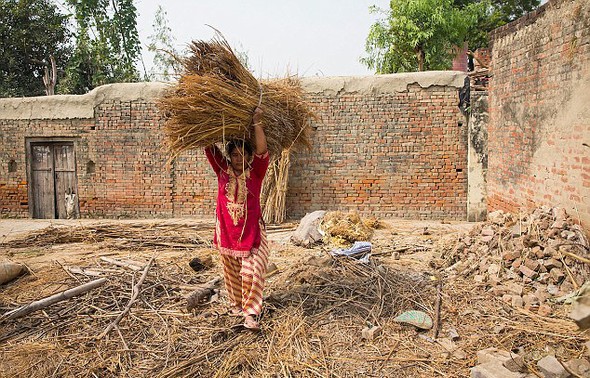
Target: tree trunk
point(50, 77)
point(420, 55)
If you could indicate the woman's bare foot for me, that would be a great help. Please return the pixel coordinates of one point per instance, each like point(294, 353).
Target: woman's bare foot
point(251, 323)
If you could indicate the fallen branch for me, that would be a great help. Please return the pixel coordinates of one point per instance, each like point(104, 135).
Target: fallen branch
point(121, 263)
point(569, 272)
point(203, 293)
point(437, 308)
point(86, 272)
point(45, 302)
point(135, 293)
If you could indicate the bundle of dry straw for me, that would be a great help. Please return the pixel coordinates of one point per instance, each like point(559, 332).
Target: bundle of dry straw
point(274, 189)
point(216, 96)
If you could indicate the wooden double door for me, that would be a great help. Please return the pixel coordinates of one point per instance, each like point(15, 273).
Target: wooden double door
point(53, 191)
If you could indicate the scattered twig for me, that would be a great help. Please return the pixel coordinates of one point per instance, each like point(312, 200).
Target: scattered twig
point(574, 256)
point(135, 293)
point(437, 306)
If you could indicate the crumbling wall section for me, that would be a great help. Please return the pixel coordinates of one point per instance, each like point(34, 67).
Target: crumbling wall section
point(477, 157)
point(539, 126)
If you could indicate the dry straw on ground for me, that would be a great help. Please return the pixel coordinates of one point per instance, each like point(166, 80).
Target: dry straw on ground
point(314, 313)
point(215, 98)
point(122, 236)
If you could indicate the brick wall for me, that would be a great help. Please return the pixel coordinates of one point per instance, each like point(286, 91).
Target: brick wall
point(392, 154)
point(539, 129)
point(387, 145)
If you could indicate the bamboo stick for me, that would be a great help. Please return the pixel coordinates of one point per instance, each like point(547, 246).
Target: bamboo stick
point(45, 302)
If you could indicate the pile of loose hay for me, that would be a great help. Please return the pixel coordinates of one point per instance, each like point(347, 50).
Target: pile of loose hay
point(345, 228)
point(215, 98)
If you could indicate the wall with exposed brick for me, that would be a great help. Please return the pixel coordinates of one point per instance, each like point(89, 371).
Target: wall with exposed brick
point(394, 152)
point(391, 145)
point(539, 130)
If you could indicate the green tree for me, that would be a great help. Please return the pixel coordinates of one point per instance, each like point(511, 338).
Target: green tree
point(107, 44)
point(418, 35)
point(497, 13)
point(422, 33)
point(505, 10)
point(166, 63)
point(31, 32)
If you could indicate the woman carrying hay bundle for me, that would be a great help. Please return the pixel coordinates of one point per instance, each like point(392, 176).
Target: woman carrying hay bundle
point(240, 235)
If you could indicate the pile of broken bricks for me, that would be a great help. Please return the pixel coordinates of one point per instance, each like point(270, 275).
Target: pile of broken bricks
point(537, 262)
point(534, 262)
point(495, 363)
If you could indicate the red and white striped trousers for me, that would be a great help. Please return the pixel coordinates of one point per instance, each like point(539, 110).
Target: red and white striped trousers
point(244, 277)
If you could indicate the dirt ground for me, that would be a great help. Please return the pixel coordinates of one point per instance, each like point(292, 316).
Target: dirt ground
point(316, 306)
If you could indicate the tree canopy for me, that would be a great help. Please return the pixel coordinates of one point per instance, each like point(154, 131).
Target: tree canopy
point(499, 12)
point(31, 31)
point(107, 45)
point(166, 64)
point(420, 35)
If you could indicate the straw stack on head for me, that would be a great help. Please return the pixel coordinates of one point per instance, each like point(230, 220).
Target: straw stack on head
point(215, 98)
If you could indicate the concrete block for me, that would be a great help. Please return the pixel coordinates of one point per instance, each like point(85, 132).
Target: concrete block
point(530, 300)
point(493, 269)
point(541, 294)
point(516, 263)
point(551, 368)
point(528, 272)
point(545, 310)
point(453, 334)
point(493, 370)
point(517, 301)
point(511, 255)
point(552, 263)
point(531, 264)
point(515, 288)
point(557, 274)
point(538, 252)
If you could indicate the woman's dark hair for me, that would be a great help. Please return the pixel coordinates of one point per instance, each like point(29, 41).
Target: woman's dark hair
point(238, 143)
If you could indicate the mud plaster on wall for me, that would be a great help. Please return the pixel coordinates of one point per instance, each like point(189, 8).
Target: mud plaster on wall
point(82, 106)
point(381, 84)
point(77, 106)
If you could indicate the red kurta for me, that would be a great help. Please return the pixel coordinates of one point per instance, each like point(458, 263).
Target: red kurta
point(237, 227)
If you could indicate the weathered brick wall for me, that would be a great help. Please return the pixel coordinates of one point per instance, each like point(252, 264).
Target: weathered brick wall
point(132, 176)
point(396, 153)
point(539, 129)
point(121, 169)
point(387, 145)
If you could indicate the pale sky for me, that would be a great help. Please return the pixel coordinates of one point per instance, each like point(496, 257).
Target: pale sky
point(303, 37)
